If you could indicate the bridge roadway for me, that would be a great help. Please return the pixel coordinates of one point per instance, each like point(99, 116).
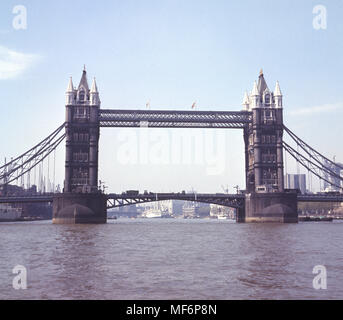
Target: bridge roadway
point(231, 200)
point(123, 199)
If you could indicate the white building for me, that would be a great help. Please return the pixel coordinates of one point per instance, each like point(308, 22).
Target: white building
point(296, 181)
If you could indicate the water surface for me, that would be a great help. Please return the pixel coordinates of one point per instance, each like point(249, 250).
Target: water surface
point(171, 259)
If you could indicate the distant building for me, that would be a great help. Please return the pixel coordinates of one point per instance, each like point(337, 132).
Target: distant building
point(336, 183)
point(296, 181)
point(42, 210)
point(166, 206)
point(176, 208)
point(192, 209)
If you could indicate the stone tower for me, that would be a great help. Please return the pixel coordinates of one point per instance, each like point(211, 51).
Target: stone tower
point(264, 138)
point(266, 199)
point(82, 137)
point(81, 201)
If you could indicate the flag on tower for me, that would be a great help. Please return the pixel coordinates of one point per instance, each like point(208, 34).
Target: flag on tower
point(148, 105)
point(193, 105)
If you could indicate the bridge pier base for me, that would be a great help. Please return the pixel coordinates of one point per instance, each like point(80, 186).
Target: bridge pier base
point(271, 207)
point(240, 214)
point(74, 208)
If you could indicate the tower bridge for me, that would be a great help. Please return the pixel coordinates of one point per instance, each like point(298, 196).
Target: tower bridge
point(265, 199)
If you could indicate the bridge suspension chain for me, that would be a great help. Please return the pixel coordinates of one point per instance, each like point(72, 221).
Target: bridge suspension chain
point(23, 164)
point(311, 166)
point(317, 156)
point(313, 160)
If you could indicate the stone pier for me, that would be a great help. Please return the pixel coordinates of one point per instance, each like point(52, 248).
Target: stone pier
point(271, 207)
point(71, 208)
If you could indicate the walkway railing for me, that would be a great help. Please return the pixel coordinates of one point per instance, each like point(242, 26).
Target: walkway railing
point(174, 119)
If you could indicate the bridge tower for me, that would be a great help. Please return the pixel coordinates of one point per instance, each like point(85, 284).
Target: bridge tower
point(81, 200)
point(266, 199)
point(82, 137)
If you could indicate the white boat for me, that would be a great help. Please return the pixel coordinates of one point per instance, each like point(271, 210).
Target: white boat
point(8, 213)
point(222, 217)
point(152, 213)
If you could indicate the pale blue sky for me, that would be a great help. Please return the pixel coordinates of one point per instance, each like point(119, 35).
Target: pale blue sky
point(171, 53)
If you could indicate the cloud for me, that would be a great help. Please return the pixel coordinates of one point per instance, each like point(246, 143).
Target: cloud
point(13, 63)
point(316, 109)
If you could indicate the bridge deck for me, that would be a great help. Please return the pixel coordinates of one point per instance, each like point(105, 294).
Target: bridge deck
point(320, 198)
point(116, 200)
point(231, 200)
point(28, 199)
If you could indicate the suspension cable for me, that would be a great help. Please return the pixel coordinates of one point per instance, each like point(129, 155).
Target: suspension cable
point(41, 144)
point(310, 165)
point(315, 154)
point(35, 159)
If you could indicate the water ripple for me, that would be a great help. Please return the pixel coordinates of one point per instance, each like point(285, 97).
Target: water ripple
point(171, 259)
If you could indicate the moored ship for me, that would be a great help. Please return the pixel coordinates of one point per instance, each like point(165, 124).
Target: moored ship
point(8, 213)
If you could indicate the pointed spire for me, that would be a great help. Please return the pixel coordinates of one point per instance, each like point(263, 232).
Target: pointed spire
point(70, 92)
point(246, 101)
point(94, 88)
point(83, 81)
point(254, 91)
point(262, 85)
point(94, 94)
point(70, 85)
point(246, 98)
point(277, 91)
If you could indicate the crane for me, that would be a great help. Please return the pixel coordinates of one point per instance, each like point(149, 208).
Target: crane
point(226, 190)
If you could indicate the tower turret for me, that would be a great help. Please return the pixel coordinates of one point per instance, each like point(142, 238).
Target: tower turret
point(246, 102)
point(94, 94)
point(70, 93)
point(255, 96)
point(83, 89)
point(278, 95)
point(262, 84)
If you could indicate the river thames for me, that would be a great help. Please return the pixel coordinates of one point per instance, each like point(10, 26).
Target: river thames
point(171, 259)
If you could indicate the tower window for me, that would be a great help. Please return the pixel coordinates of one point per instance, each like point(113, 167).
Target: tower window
point(269, 177)
point(82, 95)
point(80, 177)
point(80, 156)
point(267, 99)
point(81, 113)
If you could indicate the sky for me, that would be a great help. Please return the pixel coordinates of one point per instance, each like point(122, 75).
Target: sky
point(172, 54)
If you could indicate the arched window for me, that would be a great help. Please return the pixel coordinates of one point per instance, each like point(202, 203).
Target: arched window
point(82, 95)
point(267, 99)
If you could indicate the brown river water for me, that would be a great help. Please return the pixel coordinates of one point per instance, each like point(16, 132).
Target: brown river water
point(171, 259)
